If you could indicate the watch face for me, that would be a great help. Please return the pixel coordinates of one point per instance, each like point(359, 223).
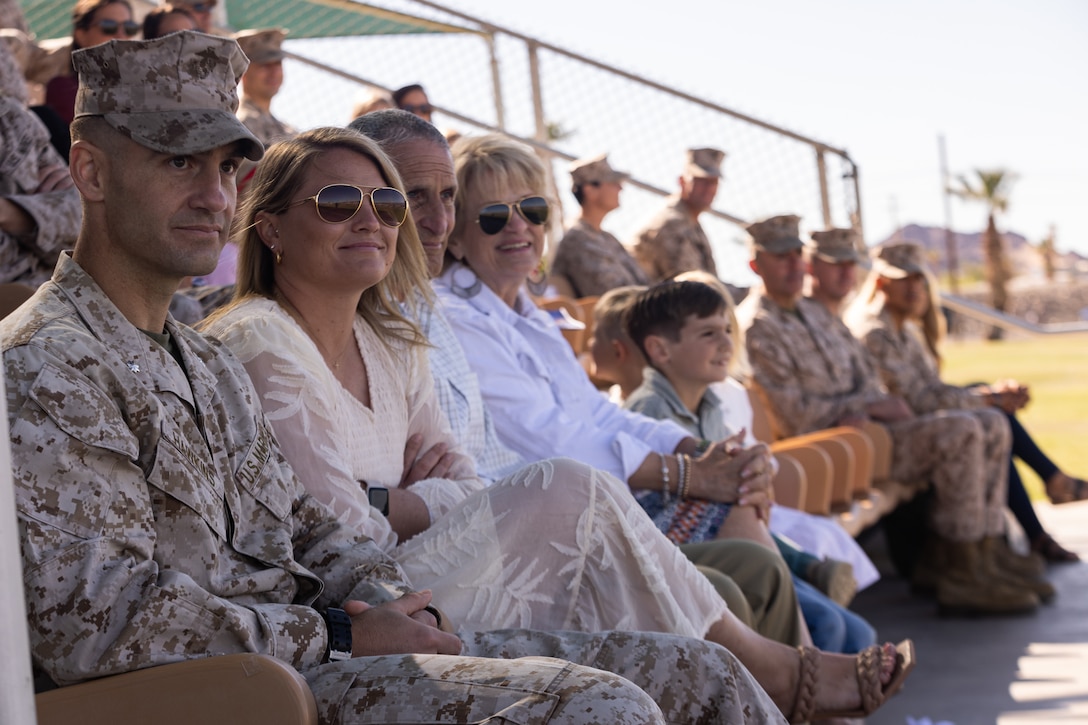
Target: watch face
point(379, 499)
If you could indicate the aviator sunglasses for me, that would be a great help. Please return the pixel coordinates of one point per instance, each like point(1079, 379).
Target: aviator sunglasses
point(493, 217)
point(108, 26)
point(337, 203)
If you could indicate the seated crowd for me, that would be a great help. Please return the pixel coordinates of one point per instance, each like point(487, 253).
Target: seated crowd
point(379, 460)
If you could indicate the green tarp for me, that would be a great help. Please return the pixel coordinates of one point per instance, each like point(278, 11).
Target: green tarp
point(303, 18)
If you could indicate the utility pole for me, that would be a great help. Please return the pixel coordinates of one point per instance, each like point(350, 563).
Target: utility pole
point(949, 237)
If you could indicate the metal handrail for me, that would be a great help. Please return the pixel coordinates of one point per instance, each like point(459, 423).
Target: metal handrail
point(990, 316)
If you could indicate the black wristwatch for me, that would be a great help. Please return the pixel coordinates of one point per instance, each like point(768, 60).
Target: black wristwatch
point(338, 625)
point(379, 498)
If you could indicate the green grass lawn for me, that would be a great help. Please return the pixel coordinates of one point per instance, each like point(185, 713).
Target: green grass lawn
point(1056, 370)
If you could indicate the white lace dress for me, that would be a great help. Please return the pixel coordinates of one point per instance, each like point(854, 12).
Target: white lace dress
point(556, 545)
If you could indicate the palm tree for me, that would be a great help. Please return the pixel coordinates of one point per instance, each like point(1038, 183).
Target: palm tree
point(991, 187)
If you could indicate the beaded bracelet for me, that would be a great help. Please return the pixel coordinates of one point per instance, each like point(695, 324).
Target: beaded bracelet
point(685, 474)
point(664, 478)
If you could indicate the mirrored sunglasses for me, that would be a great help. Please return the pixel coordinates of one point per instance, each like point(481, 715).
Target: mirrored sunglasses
point(203, 7)
point(424, 108)
point(337, 203)
point(493, 217)
point(110, 27)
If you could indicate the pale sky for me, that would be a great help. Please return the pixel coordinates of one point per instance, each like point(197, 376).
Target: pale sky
point(1005, 81)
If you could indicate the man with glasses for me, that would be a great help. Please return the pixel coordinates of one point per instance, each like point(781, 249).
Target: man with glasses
point(158, 519)
point(413, 98)
point(588, 260)
point(674, 241)
point(261, 83)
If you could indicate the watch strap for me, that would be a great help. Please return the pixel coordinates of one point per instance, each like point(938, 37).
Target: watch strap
point(338, 626)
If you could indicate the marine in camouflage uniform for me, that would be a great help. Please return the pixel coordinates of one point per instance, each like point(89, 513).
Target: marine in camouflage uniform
point(814, 374)
point(26, 154)
point(159, 520)
point(674, 241)
point(263, 48)
point(588, 260)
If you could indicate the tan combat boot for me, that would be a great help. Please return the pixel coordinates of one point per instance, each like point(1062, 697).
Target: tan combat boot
point(1012, 568)
point(967, 586)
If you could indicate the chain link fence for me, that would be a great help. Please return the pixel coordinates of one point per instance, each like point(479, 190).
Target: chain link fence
point(491, 78)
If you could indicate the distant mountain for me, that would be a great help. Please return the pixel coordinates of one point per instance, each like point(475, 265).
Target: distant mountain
point(968, 246)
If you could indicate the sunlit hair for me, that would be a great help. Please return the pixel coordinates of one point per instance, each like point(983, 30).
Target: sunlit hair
point(738, 364)
point(609, 309)
point(932, 322)
point(278, 182)
point(492, 162)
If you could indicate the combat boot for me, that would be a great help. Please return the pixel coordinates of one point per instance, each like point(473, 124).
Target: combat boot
point(1012, 568)
point(966, 586)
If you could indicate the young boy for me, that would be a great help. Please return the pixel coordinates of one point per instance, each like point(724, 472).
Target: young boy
point(615, 359)
point(684, 333)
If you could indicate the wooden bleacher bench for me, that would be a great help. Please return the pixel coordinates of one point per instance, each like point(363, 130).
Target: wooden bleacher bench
point(237, 688)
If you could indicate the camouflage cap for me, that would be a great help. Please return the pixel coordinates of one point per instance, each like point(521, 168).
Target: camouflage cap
point(704, 163)
point(176, 94)
point(897, 260)
point(262, 46)
point(837, 246)
point(594, 170)
point(777, 234)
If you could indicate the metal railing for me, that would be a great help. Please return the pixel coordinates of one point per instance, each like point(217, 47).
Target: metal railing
point(569, 106)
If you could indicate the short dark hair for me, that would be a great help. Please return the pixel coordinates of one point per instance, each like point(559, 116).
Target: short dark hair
point(400, 93)
point(153, 19)
point(664, 308)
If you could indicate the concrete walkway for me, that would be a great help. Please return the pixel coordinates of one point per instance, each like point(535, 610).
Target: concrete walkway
point(1006, 670)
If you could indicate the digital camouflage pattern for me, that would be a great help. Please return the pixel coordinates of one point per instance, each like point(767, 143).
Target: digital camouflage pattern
point(174, 94)
point(160, 522)
point(673, 242)
point(812, 372)
point(593, 261)
point(25, 151)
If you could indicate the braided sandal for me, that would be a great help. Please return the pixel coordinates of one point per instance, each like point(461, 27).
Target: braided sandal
point(873, 694)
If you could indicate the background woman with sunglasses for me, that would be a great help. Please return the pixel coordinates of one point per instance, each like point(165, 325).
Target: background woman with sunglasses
point(93, 22)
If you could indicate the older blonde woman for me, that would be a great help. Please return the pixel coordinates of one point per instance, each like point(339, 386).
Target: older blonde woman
point(544, 405)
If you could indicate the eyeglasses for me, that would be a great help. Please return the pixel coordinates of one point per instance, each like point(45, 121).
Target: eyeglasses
point(424, 108)
point(337, 203)
point(202, 7)
point(493, 217)
point(108, 26)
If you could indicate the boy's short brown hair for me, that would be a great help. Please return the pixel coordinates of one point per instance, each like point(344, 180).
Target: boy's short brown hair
point(664, 308)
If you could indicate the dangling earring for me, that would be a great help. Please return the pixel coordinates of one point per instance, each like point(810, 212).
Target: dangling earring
point(537, 281)
point(278, 256)
point(465, 292)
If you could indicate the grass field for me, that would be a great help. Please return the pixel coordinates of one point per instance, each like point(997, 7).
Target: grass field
point(1056, 369)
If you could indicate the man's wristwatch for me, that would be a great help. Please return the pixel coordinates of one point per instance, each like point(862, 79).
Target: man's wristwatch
point(338, 625)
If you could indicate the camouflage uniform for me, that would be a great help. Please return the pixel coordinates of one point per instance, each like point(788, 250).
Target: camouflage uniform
point(813, 372)
point(908, 370)
point(593, 261)
point(159, 521)
point(673, 242)
point(25, 150)
point(263, 124)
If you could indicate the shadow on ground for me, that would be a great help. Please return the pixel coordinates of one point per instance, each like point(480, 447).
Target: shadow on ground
point(1006, 670)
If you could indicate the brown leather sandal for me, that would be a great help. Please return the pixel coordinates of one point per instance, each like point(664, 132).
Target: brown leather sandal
point(873, 694)
point(1063, 488)
point(1053, 552)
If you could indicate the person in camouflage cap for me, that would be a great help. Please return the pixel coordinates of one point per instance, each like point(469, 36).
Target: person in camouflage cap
point(812, 374)
point(158, 518)
point(674, 241)
point(261, 83)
